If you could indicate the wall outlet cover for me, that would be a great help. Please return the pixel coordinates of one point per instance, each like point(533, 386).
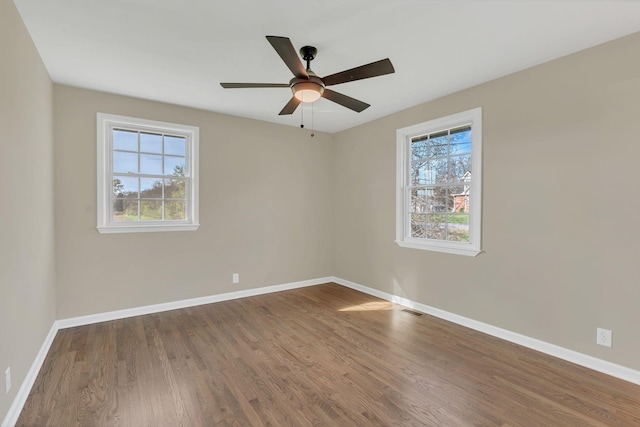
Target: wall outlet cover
point(603, 337)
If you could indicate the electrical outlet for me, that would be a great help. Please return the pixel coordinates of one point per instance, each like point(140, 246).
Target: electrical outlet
point(7, 380)
point(603, 337)
point(236, 278)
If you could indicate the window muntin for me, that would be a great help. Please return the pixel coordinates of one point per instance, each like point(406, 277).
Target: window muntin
point(439, 184)
point(147, 175)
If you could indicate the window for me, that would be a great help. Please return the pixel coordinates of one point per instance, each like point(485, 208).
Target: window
point(438, 184)
point(147, 175)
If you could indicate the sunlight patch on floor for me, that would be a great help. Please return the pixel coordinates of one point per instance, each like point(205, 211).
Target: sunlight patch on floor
point(370, 306)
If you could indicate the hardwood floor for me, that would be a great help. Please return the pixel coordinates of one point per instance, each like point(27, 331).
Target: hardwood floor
point(323, 356)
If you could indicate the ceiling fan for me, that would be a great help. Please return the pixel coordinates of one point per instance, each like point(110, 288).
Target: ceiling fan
point(307, 86)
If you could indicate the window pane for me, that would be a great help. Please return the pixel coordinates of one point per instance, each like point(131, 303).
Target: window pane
point(151, 164)
point(125, 187)
point(418, 200)
point(150, 188)
point(419, 148)
point(175, 145)
point(421, 174)
point(174, 188)
point(125, 162)
point(458, 227)
point(437, 200)
point(436, 227)
point(461, 140)
point(174, 165)
point(175, 210)
point(151, 210)
point(125, 140)
point(438, 170)
point(418, 225)
point(151, 143)
point(459, 199)
point(460, 168)
point(439, 144)
point(125, 210)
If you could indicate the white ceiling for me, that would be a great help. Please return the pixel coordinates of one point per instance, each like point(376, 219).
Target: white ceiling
point(178, 51)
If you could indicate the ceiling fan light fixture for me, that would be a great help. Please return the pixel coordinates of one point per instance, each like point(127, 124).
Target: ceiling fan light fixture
point(307, 91)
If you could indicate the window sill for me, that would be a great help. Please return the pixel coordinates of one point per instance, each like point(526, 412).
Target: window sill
point(440, 247)
point(152, 228)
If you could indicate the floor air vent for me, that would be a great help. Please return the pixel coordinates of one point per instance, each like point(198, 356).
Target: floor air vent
point(413, 312)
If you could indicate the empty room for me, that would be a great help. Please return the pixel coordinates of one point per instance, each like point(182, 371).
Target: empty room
point(297, 213)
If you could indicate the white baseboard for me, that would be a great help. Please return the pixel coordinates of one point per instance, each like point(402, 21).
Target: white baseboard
point(21, 397)
point(174, 305)
point(581, 359)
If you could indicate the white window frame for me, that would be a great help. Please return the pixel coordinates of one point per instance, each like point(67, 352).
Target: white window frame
point(403, 152)
point(105, 125)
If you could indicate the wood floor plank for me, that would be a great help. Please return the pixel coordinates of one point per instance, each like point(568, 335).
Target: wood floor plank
point(318, 356)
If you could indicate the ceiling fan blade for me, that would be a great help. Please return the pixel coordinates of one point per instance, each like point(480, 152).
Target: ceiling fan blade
point(378, 68)
point(345, 101)
point(287, 52)
point(290, 107)
point(251, 85)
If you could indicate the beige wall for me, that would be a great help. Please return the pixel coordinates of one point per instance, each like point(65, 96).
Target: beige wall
point(560, 235)
point(265, 211)
point(27, 289)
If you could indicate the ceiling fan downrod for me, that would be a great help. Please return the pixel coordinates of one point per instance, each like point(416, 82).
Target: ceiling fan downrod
point(308, 53)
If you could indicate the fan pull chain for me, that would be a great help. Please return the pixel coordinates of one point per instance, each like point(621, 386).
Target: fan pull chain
point(312, 134)
point(302, 118)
